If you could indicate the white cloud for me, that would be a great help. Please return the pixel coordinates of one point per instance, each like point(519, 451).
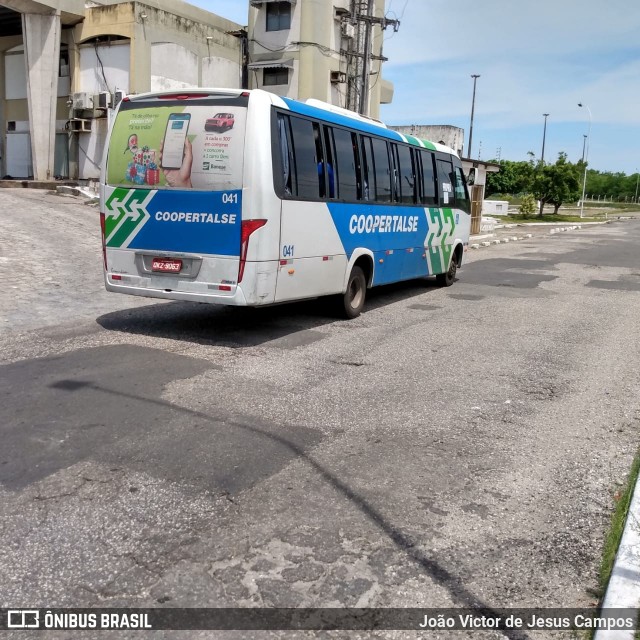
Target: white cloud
point(437, 30)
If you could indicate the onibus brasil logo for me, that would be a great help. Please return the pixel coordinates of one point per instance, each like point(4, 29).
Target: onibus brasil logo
point(125, 214)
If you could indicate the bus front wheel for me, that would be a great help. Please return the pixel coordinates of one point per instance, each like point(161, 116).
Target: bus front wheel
point(448, 278)
point(353, 298)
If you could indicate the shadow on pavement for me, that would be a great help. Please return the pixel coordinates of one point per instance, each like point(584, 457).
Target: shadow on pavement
point(278, 438)
point(289, 325)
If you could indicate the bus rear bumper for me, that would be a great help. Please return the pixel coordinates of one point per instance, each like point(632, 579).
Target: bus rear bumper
point(235, 298)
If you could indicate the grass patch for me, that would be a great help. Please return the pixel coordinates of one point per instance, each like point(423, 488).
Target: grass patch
point(612, 541)
point(549, 217)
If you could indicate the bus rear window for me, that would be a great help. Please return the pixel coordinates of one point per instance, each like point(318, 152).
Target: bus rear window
point(185, 145)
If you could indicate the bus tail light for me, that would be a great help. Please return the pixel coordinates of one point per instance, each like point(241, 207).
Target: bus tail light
point(248, 227)
point(104, 243)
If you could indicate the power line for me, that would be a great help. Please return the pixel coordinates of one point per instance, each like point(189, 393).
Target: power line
point(359, 54)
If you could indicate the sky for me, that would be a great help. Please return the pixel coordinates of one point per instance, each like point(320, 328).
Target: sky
point(533, 57)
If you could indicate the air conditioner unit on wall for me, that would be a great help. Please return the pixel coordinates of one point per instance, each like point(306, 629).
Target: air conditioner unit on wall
point(82, 100)
point(338, 76)
point(102, 100)
point(349, 30)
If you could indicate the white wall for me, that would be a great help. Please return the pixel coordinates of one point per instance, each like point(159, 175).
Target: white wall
point(115, 59)
point(172, 67)
point(15, 75)
point(220, 72)
point(90, 149)
point(495, 207)
point(19, 155)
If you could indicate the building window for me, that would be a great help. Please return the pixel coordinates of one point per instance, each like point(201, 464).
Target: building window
point(63, 70)
point(273, 77)
point(278, 16)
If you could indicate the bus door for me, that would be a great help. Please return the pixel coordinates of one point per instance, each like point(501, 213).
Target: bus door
point(312, 261)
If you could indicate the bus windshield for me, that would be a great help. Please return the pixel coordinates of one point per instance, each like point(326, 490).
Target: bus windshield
point(186, 144)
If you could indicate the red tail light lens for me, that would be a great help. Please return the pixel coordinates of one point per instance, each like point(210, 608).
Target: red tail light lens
point(248, 227)
point(181, 96)
point(104, 244)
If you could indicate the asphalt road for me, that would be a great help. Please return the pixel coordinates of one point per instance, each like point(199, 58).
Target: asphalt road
point(450, 447)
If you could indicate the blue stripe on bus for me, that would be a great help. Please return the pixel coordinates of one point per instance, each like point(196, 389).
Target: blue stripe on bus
point(344, 121)
point(206, 222)
point(383, 229)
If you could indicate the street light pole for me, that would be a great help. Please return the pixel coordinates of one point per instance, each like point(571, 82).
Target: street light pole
point(637, 181)
point(544, 136)
point(584, 142)
point(473, 106)
point(586, 159)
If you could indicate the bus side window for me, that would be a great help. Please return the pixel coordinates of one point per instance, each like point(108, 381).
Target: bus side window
point(304, 136)
point(327, 166)
point(429, 194)
point(368, 170)
point(445, 183)
point(383, 170)
point(286, 154)
point(347, 175)
point(462, 195)
point(406, 179)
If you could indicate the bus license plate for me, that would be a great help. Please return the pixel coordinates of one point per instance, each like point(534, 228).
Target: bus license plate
point(166, 266)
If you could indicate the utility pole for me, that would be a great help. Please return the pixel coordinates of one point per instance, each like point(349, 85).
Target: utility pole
point(637, 182)
point(366, 67)
point(473, 106)
point(359, 55)
point(544, 136)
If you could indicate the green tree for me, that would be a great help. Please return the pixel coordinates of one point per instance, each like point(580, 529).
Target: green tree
point(527, 205)
point(557, 183)
point(513, 178)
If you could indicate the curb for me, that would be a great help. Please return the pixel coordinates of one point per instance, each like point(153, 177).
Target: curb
point(623, 590)
point(479, 245)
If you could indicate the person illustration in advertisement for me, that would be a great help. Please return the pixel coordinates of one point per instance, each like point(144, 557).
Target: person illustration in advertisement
point(176, 152)
point(180, 177)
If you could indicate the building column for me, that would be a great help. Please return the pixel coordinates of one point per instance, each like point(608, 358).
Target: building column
point(316, 23)
point(41, 36)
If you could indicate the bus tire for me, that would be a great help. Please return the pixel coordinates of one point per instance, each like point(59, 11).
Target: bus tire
point(353, 298)
point(448, 278)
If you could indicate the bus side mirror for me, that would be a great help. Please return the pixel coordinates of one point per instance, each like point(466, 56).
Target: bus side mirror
point(473, 174)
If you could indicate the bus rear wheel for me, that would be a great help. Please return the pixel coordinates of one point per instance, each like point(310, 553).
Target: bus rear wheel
point(353, 298)
point(448, 278)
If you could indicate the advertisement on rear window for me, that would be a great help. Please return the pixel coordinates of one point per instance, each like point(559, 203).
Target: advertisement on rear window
point(190, 147)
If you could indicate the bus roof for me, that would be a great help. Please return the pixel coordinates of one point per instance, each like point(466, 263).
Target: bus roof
point(356, 121)
point(313, 108)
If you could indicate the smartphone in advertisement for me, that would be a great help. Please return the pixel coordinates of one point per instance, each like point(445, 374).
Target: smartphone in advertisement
point(174, 137)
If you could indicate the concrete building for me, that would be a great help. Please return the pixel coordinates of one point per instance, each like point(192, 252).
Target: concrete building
point(309, 49)
point(62, 65)
point(453, 137)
